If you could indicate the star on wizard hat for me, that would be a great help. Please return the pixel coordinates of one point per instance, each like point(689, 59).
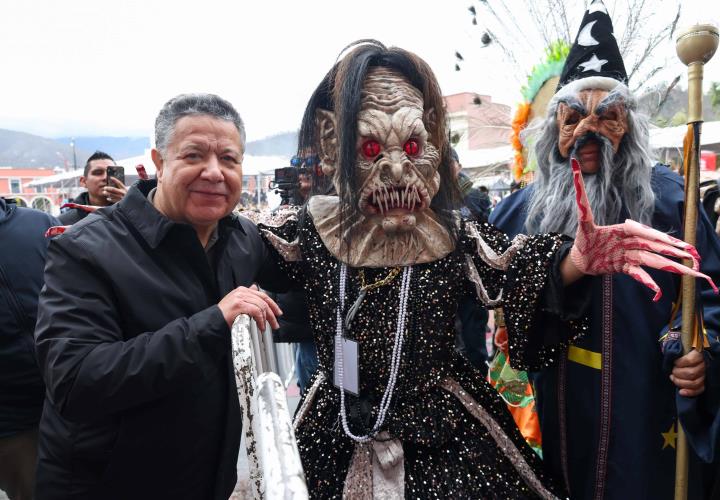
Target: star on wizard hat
point(594, 56)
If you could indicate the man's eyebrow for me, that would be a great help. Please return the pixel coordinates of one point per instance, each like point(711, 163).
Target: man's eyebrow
point(194, 144)
point(576, 104)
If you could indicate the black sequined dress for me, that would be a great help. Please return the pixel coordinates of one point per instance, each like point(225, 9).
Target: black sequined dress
point(458, 438)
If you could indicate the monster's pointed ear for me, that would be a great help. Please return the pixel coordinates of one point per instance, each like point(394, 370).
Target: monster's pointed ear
point(327, 134)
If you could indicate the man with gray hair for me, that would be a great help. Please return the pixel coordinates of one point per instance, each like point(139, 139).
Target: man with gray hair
point(608, 404)
point(133, 332)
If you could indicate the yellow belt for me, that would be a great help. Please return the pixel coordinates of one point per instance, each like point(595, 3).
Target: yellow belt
point(585, 357)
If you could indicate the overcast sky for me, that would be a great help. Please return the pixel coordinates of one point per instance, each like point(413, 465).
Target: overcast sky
point(100, 67)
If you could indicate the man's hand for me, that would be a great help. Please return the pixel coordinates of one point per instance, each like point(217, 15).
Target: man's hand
point(252, 302)
point(115, 192)
point(689, 374)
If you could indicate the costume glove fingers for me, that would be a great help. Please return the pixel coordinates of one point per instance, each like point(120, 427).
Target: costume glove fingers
point(636, 229)
point(640, 275)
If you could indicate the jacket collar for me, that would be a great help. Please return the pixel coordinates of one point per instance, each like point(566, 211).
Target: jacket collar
point(83, 198)
point(150, 223)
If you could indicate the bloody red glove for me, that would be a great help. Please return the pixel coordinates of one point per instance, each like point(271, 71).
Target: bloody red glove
point(623, 248)
point(86, 208)
point(55, 230)
point(142, 173)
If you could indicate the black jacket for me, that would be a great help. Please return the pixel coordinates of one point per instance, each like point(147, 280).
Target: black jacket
point(295, 321)
point(73, 215)
point(141, 398)
point(22, 232)
point(708, 202)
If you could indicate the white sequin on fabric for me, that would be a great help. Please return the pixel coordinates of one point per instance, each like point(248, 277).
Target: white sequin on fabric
point(488, 255)
point(503, 441)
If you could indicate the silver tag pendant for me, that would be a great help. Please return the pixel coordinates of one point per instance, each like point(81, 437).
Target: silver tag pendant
point(349, 351)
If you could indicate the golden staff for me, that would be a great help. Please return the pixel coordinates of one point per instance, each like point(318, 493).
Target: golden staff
point(695, 46)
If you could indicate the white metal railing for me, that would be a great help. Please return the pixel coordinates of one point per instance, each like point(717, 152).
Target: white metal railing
point(274, 461)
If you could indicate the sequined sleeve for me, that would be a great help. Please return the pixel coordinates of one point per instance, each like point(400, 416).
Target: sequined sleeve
point(520, 275)
point(279, 231)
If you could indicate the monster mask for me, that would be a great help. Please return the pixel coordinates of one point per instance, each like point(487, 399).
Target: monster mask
point(396, 175)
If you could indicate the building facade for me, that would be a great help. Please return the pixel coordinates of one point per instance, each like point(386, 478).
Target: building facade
point(14, 184)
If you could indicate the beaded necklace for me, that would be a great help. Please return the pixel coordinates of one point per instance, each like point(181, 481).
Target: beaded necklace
point(394, 363)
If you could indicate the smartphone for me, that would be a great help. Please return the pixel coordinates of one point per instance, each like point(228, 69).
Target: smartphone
point(115, 171)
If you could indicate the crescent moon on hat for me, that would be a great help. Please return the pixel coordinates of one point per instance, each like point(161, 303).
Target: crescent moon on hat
point(585, 37)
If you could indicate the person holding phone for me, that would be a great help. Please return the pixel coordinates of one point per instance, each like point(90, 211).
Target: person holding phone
point(105, 183)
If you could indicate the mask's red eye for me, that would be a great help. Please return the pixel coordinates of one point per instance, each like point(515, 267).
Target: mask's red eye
point(371, 148)
point(411, 147)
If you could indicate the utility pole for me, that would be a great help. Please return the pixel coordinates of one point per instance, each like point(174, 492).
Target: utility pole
point(72, 144)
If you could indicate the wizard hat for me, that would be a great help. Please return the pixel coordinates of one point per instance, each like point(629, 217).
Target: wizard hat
point(594, 54)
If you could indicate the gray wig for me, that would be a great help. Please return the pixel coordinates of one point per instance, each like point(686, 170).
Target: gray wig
point(189, 105)
point(623, 180)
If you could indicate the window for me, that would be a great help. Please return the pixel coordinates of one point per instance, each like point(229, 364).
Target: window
point(43, 204)
point(15, 186)
point(39, 189)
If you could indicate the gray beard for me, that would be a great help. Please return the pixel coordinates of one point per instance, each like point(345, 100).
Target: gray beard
point(618, 183)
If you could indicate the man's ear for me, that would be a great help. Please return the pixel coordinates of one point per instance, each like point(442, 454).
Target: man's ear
point(158, 161)
point(83, 182)
point(327, 132)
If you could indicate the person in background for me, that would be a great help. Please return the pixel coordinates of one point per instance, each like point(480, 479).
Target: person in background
point(476, 202)
point(472, 317)
point(295, 321)
point(22, 390)
point(99, 193)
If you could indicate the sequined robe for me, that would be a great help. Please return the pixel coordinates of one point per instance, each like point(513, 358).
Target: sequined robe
point(458, 439)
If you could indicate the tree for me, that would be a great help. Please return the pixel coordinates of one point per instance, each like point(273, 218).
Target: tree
point(715, 95)
point(680, 118)
point(521, 30)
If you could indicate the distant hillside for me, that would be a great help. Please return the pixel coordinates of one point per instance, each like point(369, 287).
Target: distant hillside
point(18, 149)
point(284, 144)
point(117, 147)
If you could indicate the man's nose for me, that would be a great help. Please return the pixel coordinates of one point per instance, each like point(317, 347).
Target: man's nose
point(212, 171)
